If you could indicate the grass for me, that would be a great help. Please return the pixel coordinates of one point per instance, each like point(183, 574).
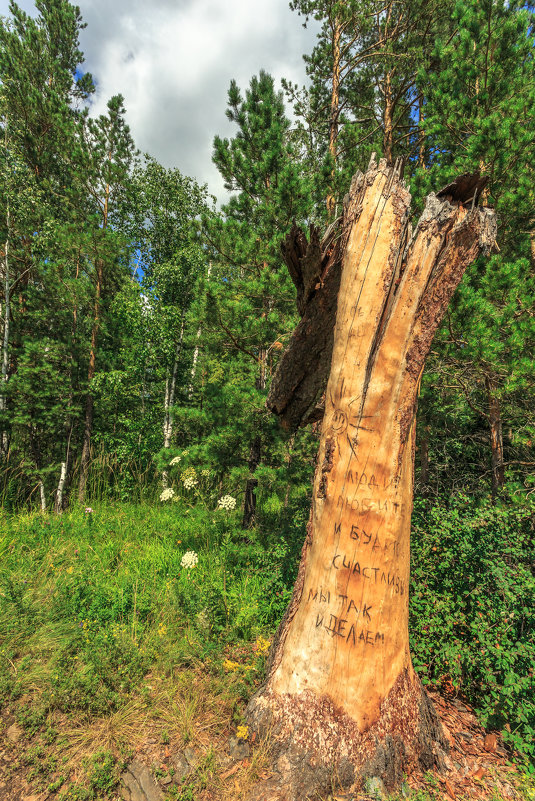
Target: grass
point(107, 641)
point(110, 647)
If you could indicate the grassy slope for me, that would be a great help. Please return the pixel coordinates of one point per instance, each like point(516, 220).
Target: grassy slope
point(107, 641)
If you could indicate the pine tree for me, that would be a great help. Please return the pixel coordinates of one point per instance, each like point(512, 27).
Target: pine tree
point(480, 107)
point(251, 305)
point(108, 152)
point(40, 87)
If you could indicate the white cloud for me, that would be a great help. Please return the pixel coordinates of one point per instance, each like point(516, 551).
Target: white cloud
point(173, 60)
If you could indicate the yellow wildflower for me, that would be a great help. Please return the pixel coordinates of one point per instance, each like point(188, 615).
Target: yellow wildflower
point(242, 732)
point(262, 645)
point(230, 666)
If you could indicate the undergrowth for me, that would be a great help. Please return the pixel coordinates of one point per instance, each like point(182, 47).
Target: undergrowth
point(107, 637)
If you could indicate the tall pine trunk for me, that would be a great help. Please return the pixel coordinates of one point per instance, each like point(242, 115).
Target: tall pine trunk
point(255, 455)
point(4, 442)
point(334, 112)
point(95, 330)
point(90, 400)
point(341, 696)
point(496, 437)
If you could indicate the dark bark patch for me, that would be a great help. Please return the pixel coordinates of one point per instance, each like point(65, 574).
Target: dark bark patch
point(321, 748)
point(326, 468)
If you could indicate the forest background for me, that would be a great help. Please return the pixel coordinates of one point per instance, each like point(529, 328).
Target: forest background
point(140, 328)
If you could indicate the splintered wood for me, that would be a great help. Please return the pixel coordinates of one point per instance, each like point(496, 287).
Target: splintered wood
point(344, 639)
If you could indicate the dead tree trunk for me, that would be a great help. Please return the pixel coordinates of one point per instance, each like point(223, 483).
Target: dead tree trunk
point(341, 695)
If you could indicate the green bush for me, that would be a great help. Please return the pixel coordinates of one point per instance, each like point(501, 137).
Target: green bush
point(472, 610)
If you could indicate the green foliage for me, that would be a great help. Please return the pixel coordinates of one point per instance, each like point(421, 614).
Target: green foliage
point(120, 599)
point(140, 332)
point(472, 612)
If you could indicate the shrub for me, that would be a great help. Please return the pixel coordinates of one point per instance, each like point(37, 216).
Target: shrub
point(472, 610)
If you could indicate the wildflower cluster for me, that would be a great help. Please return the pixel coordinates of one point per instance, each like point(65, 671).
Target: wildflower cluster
point(227, 502)
point(167, 494)
point(231, 666)
point(189, 559)
point(88, 510)
point(189, 478)
point(262, 645)
point(242, 732)
point(175, 460)
point(205, 473)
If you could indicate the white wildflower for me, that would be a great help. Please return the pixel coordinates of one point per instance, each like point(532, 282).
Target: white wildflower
point(175, 460)
point(167, 494)
point(189, 559)
point(227, 502)
point(189, 478)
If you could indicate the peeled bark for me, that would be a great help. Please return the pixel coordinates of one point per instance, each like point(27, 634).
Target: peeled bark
point(341, 697)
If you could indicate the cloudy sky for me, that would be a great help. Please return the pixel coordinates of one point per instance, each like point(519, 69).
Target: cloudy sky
point(173, 60)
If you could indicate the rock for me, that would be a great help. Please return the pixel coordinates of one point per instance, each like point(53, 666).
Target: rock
point(166, 780)
point(191, 756)
point(14, 733)
point(375, 787)
point(140, 784)
point(269, 790)
point(238, 749)
point(181, 766)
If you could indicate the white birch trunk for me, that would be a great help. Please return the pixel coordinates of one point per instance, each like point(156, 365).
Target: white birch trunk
point(170, 390)
point(196, 351)
point(61, 485)
point(42, 495)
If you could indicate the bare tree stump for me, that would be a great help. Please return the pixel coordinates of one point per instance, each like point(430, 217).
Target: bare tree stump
point(341, 699)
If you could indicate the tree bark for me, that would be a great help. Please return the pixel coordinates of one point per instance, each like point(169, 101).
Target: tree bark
point(341, 696)
point(58, 503)
point(90, 401)
point(388, 122)
point(196, 350)
point(334, 112)
point(4, 441)
point(169, 400)
point(255, 454)
point(496, 438)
